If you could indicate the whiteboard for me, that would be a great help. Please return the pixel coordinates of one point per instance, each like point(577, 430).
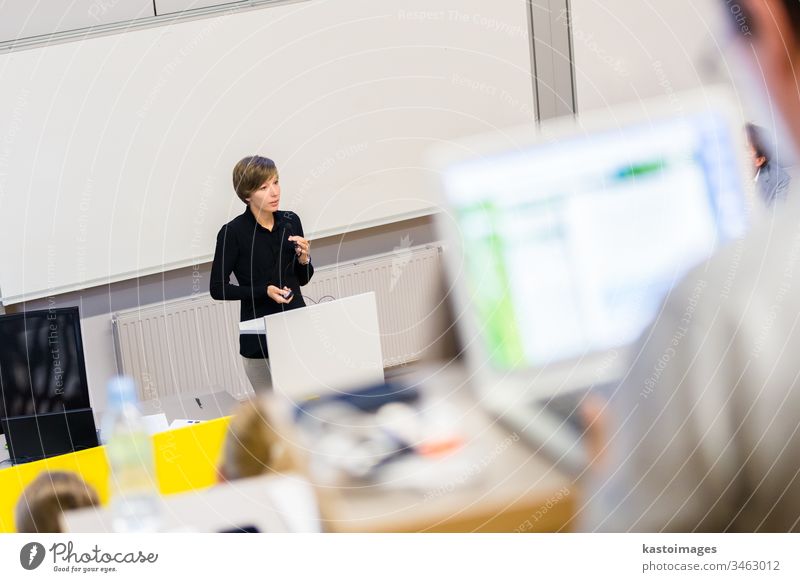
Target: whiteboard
point(626, 52)
point(116, 151)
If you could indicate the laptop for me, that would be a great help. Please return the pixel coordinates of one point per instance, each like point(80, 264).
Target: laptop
point(35, 437)
point(563, 241)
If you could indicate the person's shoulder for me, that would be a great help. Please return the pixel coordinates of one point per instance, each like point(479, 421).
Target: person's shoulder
point(783, 174)
point(238, 221)
point(239, 224)
point(288, 216)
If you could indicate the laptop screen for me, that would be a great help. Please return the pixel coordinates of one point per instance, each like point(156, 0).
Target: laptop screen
point(571, 246)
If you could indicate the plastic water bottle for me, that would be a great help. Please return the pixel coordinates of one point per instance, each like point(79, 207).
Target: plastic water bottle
point(135, 502)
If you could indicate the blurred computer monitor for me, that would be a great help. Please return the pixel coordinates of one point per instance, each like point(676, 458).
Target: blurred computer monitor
point(42, 367)
point(566, 243)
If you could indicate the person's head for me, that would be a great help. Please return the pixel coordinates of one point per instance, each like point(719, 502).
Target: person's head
point(255, 180)
point(770, 30)
point(758, 152)
point(252, 445)
point(42, 502)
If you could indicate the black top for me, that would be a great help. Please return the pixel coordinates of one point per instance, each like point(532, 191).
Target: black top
point(258, 258)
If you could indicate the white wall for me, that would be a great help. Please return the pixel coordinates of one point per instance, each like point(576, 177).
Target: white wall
point(626, 50)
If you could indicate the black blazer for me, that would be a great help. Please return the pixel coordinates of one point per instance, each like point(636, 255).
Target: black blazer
point(258, 257)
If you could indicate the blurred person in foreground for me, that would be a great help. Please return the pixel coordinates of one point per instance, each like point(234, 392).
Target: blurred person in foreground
point(42, 503)
point(771, 180)
point(253, 445)
point(710, 441)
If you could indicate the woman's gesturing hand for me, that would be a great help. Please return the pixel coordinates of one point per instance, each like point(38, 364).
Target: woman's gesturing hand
point(302, 247)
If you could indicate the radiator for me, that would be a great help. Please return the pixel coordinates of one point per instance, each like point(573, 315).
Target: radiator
point(191, 346)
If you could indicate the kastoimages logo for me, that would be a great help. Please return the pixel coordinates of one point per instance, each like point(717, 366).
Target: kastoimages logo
point(31, 555)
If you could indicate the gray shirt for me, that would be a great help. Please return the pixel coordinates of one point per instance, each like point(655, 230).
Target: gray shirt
point(773, 183)
point(706, 426)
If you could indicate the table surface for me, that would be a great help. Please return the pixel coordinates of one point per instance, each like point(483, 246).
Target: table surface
point(505, 487)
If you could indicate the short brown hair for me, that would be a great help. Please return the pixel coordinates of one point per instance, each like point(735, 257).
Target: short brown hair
point(42, 502)
point(755, 139)
point(249, 173)
point(253, 446)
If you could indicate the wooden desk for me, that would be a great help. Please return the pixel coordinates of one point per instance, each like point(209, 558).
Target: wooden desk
point(507, 488)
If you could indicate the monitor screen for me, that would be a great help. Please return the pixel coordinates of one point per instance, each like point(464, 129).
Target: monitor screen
point(41, 363)
point(570, 247)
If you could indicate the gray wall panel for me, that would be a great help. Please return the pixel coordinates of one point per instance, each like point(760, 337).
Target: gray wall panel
point(552, 56)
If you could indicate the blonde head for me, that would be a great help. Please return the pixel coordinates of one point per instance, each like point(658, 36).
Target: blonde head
point(253, 445)
point(42, 502)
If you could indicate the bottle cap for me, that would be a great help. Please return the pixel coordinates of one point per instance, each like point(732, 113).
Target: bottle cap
point(121, 390)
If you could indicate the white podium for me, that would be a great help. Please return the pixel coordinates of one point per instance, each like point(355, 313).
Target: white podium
point(323, 348)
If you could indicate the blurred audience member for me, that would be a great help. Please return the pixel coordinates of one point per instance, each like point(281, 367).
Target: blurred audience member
point(771, 180)
point(42, 503)
point(253, 446)
point(704, 432)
